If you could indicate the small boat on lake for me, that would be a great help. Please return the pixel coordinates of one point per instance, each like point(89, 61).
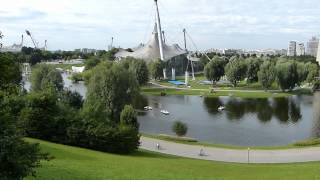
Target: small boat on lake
point(165, 112)
point(148, 108)
point(221, 108)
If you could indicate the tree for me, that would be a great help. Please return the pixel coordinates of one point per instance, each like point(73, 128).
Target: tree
point(287, 75)
point(235, 70)
point(91, 62)
point(253, 65)
point(71, 98)
point(128, 117)
point(156, 69)
point(180, 128)
point(267, 74)
point(302, 72)
point(9, 70)
point(18, 158)
point(43, 76)
point(214, 70)
point(110, 88)
point(140, 69)
point(312, 72)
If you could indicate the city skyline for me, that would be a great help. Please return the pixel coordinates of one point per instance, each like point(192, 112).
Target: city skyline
point(212, 24)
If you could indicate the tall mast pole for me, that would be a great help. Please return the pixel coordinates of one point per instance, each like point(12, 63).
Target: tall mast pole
point(184, 38)
point(159, 31)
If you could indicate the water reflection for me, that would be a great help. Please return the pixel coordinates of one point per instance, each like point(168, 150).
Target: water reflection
point(286, 110)
point(316, 116)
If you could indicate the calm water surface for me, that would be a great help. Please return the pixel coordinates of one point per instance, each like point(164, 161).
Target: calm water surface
point(245, 122)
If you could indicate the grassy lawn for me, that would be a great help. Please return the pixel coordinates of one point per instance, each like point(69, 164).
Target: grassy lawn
point(206, 93)
point(72, 163)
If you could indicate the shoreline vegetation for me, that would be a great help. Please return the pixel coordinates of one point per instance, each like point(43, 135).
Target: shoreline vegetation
point(191, 141)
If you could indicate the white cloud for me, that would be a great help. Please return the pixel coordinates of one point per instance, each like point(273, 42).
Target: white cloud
point(69, 24)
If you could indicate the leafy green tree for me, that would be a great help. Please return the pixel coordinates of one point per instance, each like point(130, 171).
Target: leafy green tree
point(140, 68)
point(43, 76)
point(71, 98)
point(214, 70)
point(302, 72)
point(110, 88)
point(91, 62)
point(236, 70)
point(253, 65)
point(287, 75)
point(18, 158)
point(38, 117)
point(267, 74)
point(9, 70)
point(156, 69)
point(179, 128)
point(128, 117)
point(312, 72)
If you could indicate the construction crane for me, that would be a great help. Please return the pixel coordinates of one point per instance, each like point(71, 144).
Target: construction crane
point(33, 40)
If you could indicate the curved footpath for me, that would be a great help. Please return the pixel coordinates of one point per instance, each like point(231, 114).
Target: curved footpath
point(232, 155)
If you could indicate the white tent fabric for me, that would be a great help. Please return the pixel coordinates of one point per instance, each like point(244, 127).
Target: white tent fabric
point(151, 51)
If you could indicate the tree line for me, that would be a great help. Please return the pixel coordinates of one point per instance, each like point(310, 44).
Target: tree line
point(287, 73)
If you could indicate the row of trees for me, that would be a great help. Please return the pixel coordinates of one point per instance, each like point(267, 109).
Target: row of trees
point(287, 73)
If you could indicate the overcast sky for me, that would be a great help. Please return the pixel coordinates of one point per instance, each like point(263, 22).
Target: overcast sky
point(250, 24)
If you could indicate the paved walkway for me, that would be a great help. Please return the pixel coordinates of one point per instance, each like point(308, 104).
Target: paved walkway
point(231, 155)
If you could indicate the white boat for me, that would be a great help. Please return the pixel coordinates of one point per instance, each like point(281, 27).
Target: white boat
point(165, 112)
point(221, 108)
point(148, 108)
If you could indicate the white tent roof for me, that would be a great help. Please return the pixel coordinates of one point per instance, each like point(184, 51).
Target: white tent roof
point(151, 51)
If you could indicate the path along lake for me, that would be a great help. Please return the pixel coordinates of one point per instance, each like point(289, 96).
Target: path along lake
point(244, 122)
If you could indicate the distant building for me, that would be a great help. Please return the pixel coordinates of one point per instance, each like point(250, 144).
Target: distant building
point(300, 50)
point(292, 49)
point(318, 54)
point(312, 46)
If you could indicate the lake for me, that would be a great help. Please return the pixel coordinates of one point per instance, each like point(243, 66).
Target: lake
point(244, 122)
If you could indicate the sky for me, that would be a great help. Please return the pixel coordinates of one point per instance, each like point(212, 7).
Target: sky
point(249, 24)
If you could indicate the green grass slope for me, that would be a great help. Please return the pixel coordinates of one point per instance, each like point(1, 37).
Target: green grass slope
point(77, 163)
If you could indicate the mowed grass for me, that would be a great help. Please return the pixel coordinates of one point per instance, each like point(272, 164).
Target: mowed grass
point(206, 93)
point(77, 163)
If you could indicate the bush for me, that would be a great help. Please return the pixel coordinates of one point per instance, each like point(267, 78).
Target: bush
point(180, 128)
point(163, 93)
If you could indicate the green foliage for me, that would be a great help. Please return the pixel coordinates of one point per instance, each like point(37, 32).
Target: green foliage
point(156, 69)
point(214, 70)
point(128, 117)
point(140, 69)
point(267, 74)
point(236, 70)
point(71, 98)
point(179, 128)
point(312, 71)
point(287, 75)
point(18, 158)
point(253, 66)
point(110, 88)
point(44, 76)
point(9, 70)
point(91, 62)
point(76, 77)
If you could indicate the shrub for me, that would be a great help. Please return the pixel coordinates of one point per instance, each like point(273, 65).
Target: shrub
point(180, 128)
